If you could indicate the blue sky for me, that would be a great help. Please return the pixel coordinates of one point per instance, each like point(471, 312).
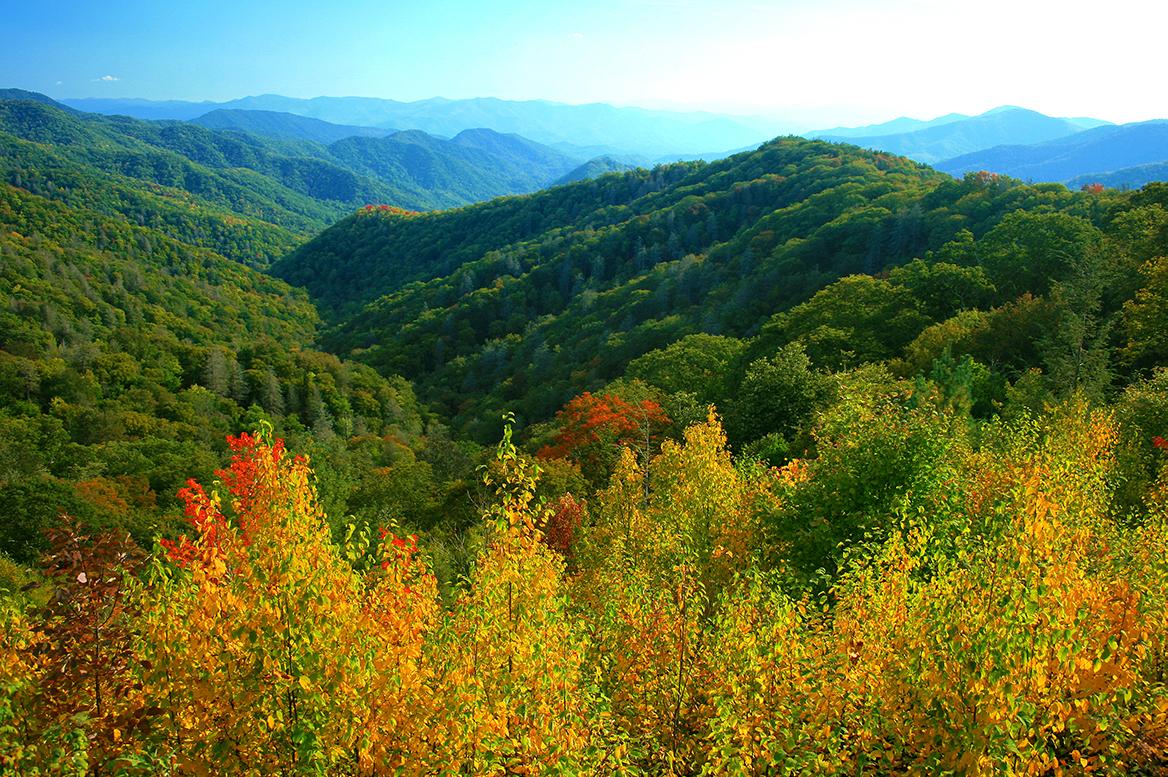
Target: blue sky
point(813, 61)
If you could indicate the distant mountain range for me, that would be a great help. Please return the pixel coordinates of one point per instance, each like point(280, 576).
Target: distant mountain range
point(1024, 144)
point(596, 128)
point(1125, 178)
point(897, 126)
point(442, 153)
point(1103, 150)
point(279, 163)
point(275, 124)
point(954, 135)
point(904, 125)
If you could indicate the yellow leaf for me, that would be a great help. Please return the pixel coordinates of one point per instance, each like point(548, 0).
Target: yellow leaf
point(305, 683)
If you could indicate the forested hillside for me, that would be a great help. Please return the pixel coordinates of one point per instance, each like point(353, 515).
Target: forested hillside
point(298, 191)
point(594, 168)
point(524, 303)
point(434, 173)
point(289, 181)
point(127, 355)
point(813, 461)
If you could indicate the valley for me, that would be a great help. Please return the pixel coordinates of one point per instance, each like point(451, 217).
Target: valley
point(357, 436)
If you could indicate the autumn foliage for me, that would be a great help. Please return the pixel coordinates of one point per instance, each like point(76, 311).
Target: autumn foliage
point(996, 618)
point(385, 210)
point(592, 429)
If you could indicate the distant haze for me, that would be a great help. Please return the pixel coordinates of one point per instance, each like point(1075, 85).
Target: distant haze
point(807, 63)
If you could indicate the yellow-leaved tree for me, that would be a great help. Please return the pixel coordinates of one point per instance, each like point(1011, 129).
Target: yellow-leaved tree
point(514, 692)
point(268, 653)
point(1008, 626)
point(662, 543)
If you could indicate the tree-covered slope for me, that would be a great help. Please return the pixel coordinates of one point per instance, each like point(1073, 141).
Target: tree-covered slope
point(295, 184)
point(430, 172)
point(515, 150)
point(126, 356)
point(224, 172)
point(525, 302)
point(868, 474)
point(37, 97)
point(361, 258)
point(594, 168)
point(230, 226)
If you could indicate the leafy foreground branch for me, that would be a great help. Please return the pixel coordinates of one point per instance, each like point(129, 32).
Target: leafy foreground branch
point(911, 600)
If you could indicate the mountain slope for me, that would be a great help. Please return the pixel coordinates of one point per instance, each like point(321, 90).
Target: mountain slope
point(136, 332)
point(1094, 151)
point(284, 125)
point(525, 302)
point(513, 149)
point(126, 355)
point(951, 139)
point(294, 184)
point(242, 174)
point(429, 172)
point(37, 97)
point(594, 168)
point(177, 212)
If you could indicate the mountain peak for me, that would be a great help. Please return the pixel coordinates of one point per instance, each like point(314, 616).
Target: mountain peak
point(483, 132)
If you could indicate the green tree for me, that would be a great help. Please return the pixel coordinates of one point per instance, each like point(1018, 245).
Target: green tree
point(944, 289)
point(695, 364)
point(778, 396)
point(1144, 317)
point(855, 320)
point(1030, 251)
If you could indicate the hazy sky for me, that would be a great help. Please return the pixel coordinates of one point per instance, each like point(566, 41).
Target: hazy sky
point(817, 61)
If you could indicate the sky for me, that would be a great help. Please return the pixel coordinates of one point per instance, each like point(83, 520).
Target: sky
point(811, 63)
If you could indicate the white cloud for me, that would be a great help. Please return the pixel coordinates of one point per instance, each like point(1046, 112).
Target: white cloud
point(107, 78)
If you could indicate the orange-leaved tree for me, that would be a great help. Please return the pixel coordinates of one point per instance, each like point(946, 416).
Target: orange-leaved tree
point(70, 702)
point(592, 429)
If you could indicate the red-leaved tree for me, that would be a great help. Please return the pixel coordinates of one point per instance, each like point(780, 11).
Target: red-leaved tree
point(594, 427)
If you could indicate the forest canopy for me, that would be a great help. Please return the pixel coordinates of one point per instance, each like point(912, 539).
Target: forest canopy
point(812, 460)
